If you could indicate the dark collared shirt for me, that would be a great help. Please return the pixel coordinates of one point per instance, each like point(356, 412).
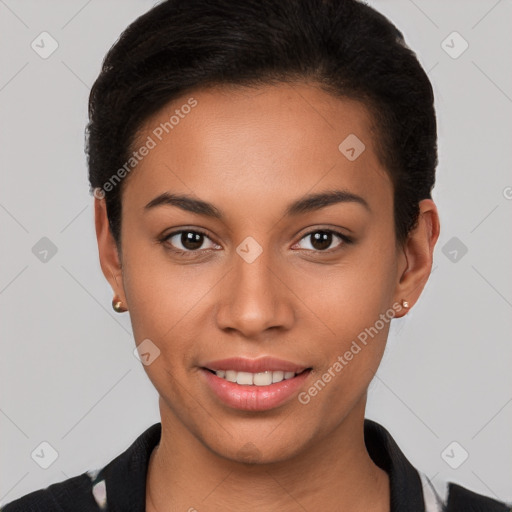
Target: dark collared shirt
point(120, 486)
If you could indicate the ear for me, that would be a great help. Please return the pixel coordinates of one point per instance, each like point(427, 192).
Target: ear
point(110, 259)
point(416, 260)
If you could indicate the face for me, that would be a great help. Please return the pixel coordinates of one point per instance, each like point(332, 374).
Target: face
point(257, 280)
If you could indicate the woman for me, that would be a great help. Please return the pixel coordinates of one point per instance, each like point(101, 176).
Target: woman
point(262, 174)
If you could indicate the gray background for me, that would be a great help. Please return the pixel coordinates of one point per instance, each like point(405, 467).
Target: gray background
point(67, 369)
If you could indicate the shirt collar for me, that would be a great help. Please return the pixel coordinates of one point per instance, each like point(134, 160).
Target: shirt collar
point(125, 476)
point(406, 488)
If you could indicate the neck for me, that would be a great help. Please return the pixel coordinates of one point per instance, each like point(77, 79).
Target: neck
point(336, 473)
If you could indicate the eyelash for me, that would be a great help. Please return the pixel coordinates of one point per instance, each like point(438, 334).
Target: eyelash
point(164, 240)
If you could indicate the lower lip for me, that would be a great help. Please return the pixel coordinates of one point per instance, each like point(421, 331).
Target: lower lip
point(254, 398)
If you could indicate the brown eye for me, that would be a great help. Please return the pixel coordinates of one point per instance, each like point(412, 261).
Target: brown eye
point(187, 241)
point(322, 239)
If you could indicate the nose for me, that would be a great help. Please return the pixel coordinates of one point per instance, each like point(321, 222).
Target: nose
point(255, 298)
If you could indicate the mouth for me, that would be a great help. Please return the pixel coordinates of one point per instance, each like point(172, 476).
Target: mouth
point(254, 384)
point(264, 378)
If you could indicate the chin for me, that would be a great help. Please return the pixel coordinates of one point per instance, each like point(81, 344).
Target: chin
point(256, 451)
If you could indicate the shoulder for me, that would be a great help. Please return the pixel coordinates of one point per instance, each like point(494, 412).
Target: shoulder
point(452, 497)
point(462, 499)
point(123, 479)
point(411, 489)
point(72, 494)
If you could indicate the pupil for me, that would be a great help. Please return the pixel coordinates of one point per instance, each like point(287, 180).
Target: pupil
point(322, 238)
point(191, 241)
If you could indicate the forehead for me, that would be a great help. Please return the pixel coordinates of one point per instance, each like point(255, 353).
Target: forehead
point(245, 143)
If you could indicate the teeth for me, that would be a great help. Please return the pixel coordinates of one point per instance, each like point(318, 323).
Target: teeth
point(277, 376)
point(254, 379)
point(262, 379)
point(230, 375)
point(244, 378)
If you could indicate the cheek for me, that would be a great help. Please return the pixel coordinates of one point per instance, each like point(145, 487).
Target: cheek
point(355, 304)
point(352, 353)
point(160, 312)
point(153, 286)
point(154, 295)
point(165, 300)
point(354, 295)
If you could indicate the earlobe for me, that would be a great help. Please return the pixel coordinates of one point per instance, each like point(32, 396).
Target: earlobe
point(110, 261)
point(418, 251)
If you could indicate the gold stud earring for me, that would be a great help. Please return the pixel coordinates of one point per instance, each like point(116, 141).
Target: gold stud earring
point(405, 304)
point(117, 305)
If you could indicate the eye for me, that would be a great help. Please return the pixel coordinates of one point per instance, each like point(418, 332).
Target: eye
point(321, 239)
point(187, 241)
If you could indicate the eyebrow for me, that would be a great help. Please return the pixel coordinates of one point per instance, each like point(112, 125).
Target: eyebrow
point(309, 203)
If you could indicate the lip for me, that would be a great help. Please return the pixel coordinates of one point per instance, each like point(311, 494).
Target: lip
point(253, 398)
point(242, 364)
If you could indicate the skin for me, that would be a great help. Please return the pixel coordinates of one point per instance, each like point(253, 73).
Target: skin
point(251, 152)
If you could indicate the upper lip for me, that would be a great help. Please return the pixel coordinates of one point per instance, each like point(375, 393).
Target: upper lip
point(241, 364)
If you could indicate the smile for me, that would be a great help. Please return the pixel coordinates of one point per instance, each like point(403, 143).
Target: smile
point(265, 378)
point(254, 391)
